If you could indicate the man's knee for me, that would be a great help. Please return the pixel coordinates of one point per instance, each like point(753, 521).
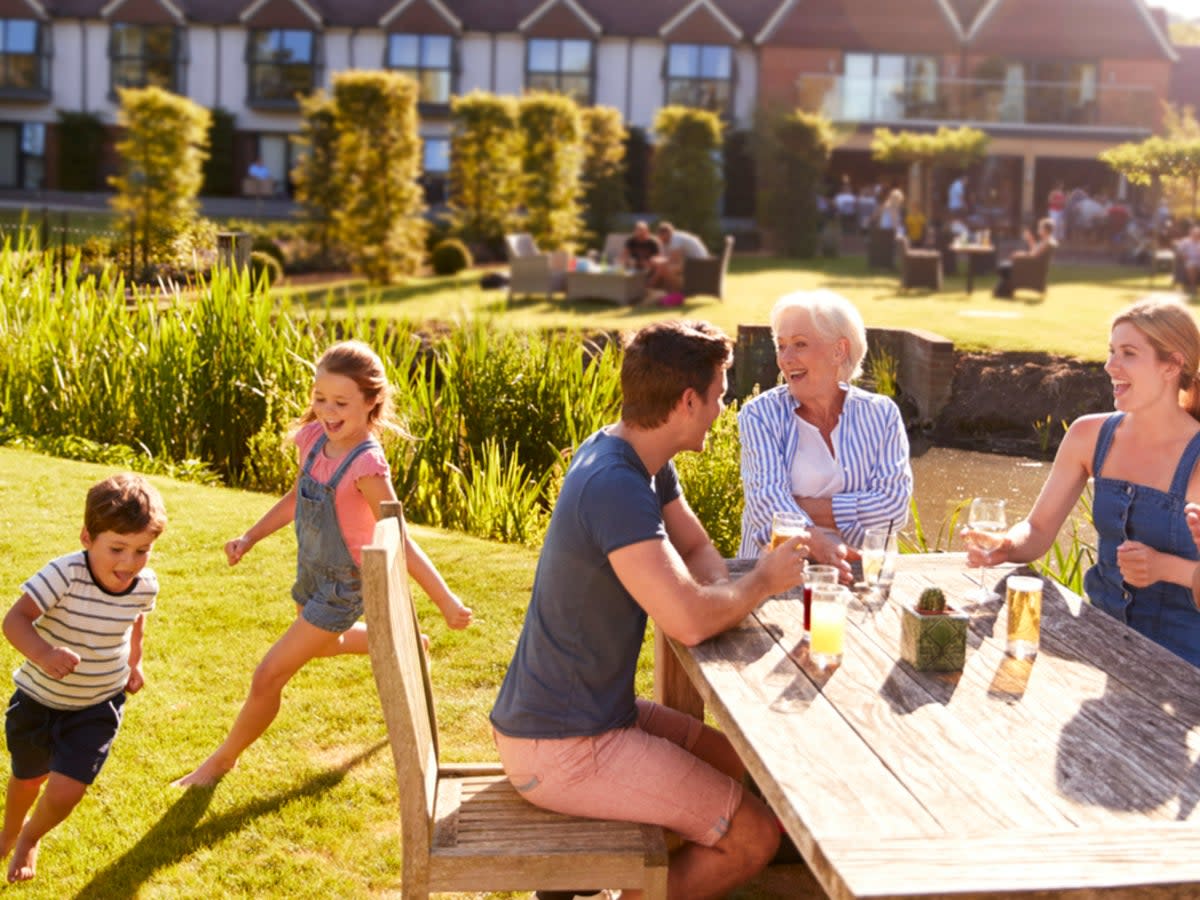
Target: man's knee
point(753, 836)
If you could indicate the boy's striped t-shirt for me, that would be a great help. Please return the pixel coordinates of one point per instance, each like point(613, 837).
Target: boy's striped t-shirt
point(79, 614)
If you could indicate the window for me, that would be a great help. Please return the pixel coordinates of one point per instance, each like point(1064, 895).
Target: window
point(886, 87)
point(1060, 92)
point(700, 75)
point(427, 58)
point(24, 66)
point(144, 56)
point(562, 66)
point(435, 166)
point(283, 63)
point(22, 155)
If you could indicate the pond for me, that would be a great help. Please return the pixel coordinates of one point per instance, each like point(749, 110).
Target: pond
point(944, 478)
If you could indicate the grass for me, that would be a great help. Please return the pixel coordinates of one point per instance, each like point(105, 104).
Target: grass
point(312, 809)
point(1072, 320)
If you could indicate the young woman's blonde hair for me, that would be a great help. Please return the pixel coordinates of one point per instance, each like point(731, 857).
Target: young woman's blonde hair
point(1172, 332)
point(362, 365)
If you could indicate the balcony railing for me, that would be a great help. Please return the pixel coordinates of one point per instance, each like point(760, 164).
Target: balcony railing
point(985, 101)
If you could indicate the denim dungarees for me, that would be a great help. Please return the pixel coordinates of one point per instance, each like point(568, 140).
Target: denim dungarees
point(328, 586)
point(1121, 510)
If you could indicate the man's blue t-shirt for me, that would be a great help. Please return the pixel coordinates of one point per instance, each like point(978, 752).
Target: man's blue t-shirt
point(573, 670)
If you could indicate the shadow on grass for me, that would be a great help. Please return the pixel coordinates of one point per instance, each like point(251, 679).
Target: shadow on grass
point(175, 836)
point(360, 292)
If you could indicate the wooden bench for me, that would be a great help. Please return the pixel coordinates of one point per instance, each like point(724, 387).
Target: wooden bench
point(464, 827)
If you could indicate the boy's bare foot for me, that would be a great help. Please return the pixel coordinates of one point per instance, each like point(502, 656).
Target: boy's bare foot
point(24, 862)
point(209, 773)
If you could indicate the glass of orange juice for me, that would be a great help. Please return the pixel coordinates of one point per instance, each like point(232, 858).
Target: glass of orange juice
point(828, 621)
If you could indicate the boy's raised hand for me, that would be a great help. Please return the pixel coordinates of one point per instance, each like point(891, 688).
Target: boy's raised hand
point(59, 662)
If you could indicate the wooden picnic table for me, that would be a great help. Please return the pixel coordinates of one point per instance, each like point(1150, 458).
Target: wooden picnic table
point(1072, 774)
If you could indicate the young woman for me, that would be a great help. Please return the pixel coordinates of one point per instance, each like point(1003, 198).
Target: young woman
point(1143, 459)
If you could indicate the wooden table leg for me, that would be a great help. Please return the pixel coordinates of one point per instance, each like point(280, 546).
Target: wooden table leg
point(672, 687)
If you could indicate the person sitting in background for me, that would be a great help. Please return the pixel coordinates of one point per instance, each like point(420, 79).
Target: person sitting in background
point(1189, 254)
point(1043, 242)
point(666, 271)
point(1056, 210)
point(817, 445)
point(641, 248)
point(891, 214)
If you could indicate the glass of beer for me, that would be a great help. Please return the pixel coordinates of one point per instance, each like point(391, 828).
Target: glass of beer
point(828, 624)
point(1024, 616)
point(786, 525)
point(814, 575)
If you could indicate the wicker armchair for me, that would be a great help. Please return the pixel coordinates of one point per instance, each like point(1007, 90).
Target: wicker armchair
point(1031, 272)
point(920, 268)
point(707, 276)
point(531, 271)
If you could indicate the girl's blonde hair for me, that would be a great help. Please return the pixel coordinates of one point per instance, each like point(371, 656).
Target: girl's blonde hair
point(362, 365)
point(1172, 332)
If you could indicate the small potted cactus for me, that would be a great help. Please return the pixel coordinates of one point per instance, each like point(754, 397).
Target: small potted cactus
point(933, 636)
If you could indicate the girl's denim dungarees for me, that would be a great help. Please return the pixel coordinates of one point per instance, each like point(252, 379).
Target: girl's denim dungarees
point(328, 586)
point(1121, 510)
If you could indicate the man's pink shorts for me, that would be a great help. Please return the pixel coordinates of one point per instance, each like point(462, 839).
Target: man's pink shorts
point(644, 773)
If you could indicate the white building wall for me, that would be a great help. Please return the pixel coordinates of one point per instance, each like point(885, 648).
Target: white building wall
point(613, 58)
point(66, 81)
point(202, 65)
point(337, 55)
point(746, 88)
point(649, 91)
point(475, 58)
point(367, 50)
point(510, 64)
point(96, 96)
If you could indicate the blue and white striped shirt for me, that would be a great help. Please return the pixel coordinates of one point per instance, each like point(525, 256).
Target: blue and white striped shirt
point(869, 445)
point(78, 613)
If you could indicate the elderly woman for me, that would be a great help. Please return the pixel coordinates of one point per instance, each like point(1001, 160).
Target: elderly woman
point(816, 444)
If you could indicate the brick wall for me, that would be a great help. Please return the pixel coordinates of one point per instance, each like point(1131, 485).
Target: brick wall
point(779, 66)
point(925, 364)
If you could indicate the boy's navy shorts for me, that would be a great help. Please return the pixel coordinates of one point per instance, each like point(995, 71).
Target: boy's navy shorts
point(72, 742)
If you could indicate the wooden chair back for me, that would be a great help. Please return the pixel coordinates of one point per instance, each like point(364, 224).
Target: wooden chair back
point(402, 677)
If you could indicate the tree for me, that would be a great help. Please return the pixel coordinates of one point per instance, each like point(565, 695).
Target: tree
point(686, 180)
point(792, 154)
point(316, 186)
point(603, 175)
point(551, 158)
point(1172, 159)
point(955, 148)
point(162, 152)
point(219, 177)
point(485, 166)
point(379, 219)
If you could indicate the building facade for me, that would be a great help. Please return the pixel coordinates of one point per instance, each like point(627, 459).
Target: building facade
point(1053, 81)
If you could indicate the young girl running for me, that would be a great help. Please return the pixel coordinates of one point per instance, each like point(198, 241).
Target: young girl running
point(335, 503)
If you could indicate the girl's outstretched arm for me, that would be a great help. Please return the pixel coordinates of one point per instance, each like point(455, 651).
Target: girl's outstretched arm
point(377, 489)
point(279, 515)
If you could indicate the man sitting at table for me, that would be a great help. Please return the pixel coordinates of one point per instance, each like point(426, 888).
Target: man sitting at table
point(666, 271)
point(623, 544)
point(640, 248)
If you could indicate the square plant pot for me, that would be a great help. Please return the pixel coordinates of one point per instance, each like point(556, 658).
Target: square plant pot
point(933, 642)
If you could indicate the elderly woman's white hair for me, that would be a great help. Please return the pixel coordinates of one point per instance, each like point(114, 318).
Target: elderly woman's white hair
point(834, 317)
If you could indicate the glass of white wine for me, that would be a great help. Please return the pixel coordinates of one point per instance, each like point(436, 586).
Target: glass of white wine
point(987, 525)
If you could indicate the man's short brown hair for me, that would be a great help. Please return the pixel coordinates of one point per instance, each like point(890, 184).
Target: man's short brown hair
point(665, 359)
point(124, 504)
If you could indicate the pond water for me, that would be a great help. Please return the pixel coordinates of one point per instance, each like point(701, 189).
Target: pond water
point(944, 478)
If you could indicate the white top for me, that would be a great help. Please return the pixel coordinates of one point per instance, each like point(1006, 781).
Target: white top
point(78, 613)
point(847, 203)
point(687, 244)
point(815, 473)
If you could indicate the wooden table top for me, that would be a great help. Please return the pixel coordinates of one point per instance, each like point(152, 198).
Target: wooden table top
point(1075, 772)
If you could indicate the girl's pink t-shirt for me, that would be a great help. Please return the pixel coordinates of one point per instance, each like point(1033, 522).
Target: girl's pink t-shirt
point(354, 514)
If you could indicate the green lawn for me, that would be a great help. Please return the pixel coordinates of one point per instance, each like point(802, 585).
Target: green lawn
point(312, 809)
point(1073, 318)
